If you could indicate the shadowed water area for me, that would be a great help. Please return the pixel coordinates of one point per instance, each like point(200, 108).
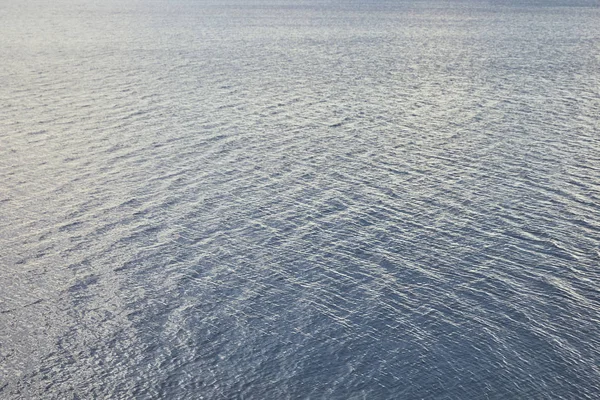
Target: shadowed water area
point(299, 199)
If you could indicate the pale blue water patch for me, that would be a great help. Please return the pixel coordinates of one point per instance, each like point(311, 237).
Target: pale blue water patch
point(315, 199)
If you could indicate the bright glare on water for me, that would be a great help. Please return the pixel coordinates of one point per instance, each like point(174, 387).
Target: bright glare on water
point(312, 199)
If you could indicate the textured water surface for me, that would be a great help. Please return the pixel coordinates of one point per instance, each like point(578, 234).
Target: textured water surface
point(299, 199)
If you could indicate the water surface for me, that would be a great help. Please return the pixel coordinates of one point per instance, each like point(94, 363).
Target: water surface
point(299, 199)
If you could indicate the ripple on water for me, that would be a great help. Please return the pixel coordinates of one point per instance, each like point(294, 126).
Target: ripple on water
point(309, 201)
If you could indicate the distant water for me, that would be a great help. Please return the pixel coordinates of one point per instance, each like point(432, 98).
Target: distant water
point(281, 199)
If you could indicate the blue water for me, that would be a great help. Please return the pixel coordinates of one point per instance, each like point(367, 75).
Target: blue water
point(299, 199)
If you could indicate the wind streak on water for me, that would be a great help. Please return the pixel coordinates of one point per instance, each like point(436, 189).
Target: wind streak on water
point(308, 200)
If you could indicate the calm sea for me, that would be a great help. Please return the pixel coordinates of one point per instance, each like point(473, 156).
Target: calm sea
point(312, 199)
